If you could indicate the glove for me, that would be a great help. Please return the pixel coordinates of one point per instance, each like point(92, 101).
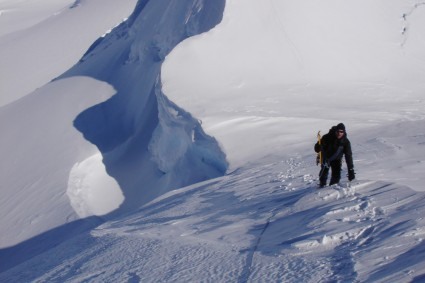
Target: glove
point(317, 147)
point(351, 174)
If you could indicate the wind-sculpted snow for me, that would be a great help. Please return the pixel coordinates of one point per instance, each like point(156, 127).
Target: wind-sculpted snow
point(50, 175)
point(149, 144)
point(263, 83)
point(87, 180)
point(39, 147)
point(262, 223)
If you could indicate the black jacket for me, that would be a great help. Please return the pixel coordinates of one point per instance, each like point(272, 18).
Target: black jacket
point(333, 148)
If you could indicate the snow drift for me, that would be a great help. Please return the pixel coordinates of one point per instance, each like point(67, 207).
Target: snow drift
point(263, 82)
point(39, 147)
point(149, 145)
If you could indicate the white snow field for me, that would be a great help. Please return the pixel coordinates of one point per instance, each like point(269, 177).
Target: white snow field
point(39, 144)
point(40, 39)
point(179, 147)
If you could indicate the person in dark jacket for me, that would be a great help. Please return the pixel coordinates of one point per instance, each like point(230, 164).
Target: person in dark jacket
point(333, 146)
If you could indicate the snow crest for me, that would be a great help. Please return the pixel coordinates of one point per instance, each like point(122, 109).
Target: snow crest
point(149, 144)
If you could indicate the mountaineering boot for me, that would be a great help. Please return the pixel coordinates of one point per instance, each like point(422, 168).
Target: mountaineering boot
point(321, 185)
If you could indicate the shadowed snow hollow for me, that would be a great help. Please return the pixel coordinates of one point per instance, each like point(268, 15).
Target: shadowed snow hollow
point(51, 175)
point(149, 144)
point(39, 147)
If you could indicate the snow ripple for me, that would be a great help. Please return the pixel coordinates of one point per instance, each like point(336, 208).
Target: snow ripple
point(260, 223)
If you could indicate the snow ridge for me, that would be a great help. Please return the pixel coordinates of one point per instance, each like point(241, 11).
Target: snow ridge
point(149, 144)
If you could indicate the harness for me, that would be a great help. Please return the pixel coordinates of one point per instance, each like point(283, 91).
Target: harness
point(338, 153)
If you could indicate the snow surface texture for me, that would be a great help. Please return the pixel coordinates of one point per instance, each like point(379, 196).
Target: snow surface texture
point(87, 181)
point(265, 222)
point(263, 82)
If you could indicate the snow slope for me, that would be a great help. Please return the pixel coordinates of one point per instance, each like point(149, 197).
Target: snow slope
point(265, 222)
point(50, 39)
point(39, 144)
point(138, 144)
point(18, 15)
point(263, 82)
point(275, 72)
point(39, 147)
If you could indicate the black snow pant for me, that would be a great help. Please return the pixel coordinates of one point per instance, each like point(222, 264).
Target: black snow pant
point(335, 166)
